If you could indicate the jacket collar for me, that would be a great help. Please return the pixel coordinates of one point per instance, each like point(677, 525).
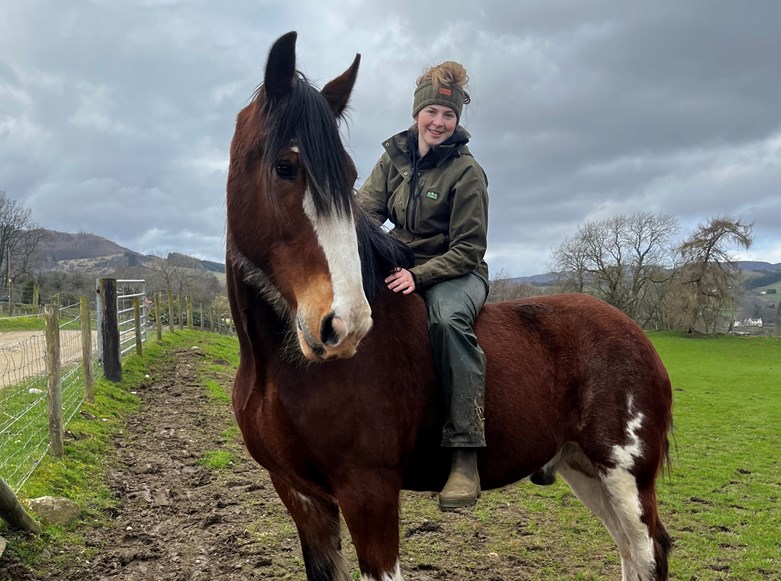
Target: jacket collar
point(403, 146)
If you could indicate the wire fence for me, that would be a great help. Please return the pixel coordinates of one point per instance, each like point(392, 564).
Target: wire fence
point(25, 420)
point(24, 414)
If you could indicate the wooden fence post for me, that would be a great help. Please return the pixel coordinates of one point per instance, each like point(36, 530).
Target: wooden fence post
point(170, 311)
point(158, 322)
point(137, 321)
point(189, 304)
point(13, 512)
point(86, 349)
point(52, 316)
point(10, 297)
point(200, 306)
point(181, 310)
point(109, 329)
point(36, 298)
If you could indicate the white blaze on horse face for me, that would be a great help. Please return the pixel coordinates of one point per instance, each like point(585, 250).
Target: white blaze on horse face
point(337, 237)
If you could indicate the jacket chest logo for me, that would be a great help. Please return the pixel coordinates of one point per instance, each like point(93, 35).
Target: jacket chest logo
point(432, 195)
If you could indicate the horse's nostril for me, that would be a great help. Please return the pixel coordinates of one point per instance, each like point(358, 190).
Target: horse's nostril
point(330, 330)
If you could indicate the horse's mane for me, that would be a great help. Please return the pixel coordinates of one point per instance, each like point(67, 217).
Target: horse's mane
point(304, 117)
point(380, 253)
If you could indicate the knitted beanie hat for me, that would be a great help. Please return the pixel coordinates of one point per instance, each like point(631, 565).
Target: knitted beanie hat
point(448, 95)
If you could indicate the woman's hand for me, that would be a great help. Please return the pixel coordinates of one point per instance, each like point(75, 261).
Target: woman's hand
point(401, 281)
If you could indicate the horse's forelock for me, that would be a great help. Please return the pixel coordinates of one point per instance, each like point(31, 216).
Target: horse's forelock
point(305, 118)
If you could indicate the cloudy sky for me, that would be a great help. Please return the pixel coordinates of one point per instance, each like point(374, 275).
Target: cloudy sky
point(116, 117)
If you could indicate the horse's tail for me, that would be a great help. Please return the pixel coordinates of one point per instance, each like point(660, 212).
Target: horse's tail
point(663, 544)
point(666, 464)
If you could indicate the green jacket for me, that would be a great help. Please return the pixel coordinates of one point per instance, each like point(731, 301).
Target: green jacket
point(440, 211)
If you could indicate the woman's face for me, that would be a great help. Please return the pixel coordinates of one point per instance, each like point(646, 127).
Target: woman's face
point(436, 123)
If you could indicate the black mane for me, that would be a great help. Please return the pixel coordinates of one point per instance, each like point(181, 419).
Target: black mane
point(380, 253)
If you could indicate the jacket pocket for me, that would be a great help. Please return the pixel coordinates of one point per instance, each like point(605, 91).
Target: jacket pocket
point(434, 211)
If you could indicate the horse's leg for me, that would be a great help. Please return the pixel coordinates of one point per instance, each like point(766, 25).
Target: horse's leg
point(628, 511)
point(318, 527)
point(582, 477)
point(370, 505)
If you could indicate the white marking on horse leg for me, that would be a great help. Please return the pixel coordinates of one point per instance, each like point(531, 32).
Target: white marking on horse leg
point(579, 473)
point(621, 486)
point(339, 241)
point(395, 575)
point(624, 495)
point(305, 502)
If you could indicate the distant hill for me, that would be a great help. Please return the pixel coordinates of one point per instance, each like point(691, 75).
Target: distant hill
point(92, 254)
point(753, 268)
point(758, 266)
point(535, 279)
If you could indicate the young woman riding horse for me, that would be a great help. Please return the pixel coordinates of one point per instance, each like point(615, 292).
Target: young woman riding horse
point(335, 392)
point(436, 195)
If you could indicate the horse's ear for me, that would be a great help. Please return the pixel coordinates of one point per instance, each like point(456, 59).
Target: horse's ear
point(337, 92)
point(281, 66)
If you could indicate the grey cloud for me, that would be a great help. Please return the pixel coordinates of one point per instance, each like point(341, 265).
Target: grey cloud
point(125, 111)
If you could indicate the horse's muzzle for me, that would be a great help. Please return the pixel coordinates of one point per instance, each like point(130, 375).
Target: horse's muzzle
point(336, 339)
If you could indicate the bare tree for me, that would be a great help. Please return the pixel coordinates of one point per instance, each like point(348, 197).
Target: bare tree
point(619, 259)
point(708, 279)
point(180, 273)
point(19, 237)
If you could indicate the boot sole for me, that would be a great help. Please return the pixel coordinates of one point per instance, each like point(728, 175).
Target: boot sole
point(452, 503)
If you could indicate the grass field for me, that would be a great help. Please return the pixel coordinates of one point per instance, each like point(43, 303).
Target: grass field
point(720, 502)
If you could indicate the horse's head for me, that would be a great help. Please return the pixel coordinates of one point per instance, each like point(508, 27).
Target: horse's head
point(291, 230)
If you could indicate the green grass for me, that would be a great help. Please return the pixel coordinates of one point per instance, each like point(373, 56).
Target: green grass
point(722, 500)
point(24, 323)
point(69, 319)
point(218, 459)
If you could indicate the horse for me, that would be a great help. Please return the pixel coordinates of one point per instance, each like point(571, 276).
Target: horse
point(335, 393)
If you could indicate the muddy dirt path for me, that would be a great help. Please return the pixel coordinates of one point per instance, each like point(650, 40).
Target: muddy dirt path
point(178, 520)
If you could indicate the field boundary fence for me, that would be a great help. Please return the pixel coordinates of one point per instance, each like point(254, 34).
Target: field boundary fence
point(30, 370)
point(46, 375)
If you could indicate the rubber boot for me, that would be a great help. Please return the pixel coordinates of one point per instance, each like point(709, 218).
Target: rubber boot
point(463, 484)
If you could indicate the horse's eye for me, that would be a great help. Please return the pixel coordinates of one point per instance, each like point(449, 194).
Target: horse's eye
point(285, 170)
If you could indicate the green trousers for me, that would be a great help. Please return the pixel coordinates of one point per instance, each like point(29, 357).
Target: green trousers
point(459, 361)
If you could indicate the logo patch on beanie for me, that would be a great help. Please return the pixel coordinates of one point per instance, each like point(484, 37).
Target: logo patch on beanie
point(445, 91)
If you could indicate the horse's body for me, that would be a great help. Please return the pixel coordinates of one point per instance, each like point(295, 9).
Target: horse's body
point(573, 385)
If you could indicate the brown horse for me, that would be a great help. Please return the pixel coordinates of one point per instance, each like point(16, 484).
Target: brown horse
point(573, 386)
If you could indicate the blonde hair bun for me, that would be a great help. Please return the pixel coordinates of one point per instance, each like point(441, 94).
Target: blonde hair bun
point(448, 74)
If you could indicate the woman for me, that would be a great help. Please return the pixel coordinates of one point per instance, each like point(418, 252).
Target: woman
point(436, 195)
